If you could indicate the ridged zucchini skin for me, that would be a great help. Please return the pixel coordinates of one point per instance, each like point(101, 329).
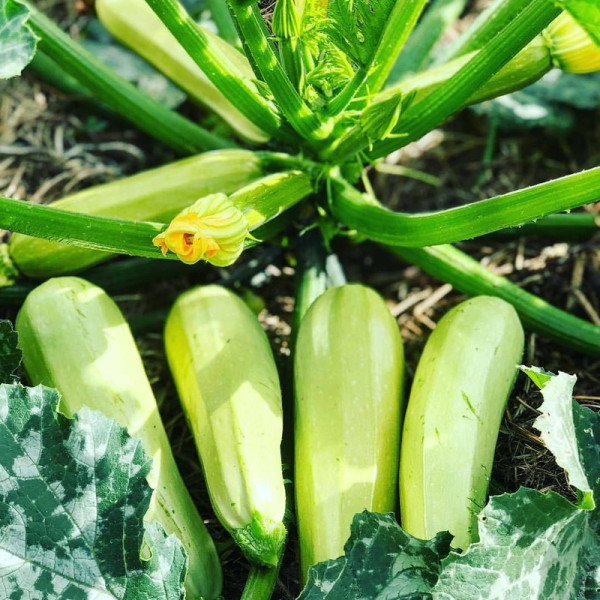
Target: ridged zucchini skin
point(457, 400)
point(74, 338)
point(134, 24)
point(154, 195)
point(229, 388)
point(348, 373)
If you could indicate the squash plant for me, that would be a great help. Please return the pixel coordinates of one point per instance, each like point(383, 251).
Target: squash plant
point(329, 88)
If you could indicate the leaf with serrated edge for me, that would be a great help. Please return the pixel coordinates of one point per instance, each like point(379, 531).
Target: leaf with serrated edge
point(532, 546)
point(357, 26)
point(17, 41)
point(73, 495)
point(10, 355)
point(557, 426)
point(381, 562)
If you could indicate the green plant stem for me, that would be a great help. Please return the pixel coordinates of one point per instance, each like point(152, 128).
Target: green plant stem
point(401, 22)
point(260, 583)
point(490, 22)
point(569, 226)
point(424, 115)
point(341, 101)
point(417, 51)
point(262, 201)
point(217, 67)
point(296, 111)
point(464, 222)
point(149, 115)
point(468, 276)
point(225, 25)
point(99, 233)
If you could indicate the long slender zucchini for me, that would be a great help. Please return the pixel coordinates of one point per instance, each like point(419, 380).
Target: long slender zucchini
point(348, 380)
point(154, 195)
point(74, 338)
point(461, 386)
point(229, 388)
point(134, 24)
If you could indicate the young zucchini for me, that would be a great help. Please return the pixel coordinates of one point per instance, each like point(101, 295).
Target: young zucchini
point(348, 380)
point(228, 384)
point(74, 338)
point(155, 195)
point(134, 24)
point(457, 400)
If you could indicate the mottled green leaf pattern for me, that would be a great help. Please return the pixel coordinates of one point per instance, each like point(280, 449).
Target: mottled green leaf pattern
point(381, 561)
point(532, 545)
point(17, 41)
point(10, 355)
point(72, 498)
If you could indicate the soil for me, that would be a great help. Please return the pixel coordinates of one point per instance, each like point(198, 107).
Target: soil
point(51, 145)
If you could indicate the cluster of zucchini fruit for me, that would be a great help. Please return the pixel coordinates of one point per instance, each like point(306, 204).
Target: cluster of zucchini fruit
point(349, 409)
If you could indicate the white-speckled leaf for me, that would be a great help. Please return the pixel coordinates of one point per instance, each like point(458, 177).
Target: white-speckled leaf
point(532, 546)
point(72, 499)
point(381, 562)
point(557, 425)
point(17, 41)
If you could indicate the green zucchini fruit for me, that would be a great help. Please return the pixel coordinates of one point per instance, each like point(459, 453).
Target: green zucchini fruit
point(348, 409)
point(74, 338)
point(228, 384)
point(134, 24)
point(457, 400)
point(155, 195)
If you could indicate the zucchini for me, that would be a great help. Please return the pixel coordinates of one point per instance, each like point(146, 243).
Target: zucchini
point(74, 338)
point(134, 24)
point(457, 400)
point(348, 410)
point(155, 195)
point(228, 384)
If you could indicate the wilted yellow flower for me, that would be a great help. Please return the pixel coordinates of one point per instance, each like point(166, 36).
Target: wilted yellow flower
point(571, 47)
point(212, 229)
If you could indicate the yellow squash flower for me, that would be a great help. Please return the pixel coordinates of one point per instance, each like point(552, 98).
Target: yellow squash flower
point(211, 229)
point(572, 49)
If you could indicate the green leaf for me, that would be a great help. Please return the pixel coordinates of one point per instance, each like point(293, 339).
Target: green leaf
point(357, 26)
point(572, 433)
point(10, 355)
point(532, 545)
point(73, 495)
point(381, 561)
point(17, 41)
point(587, 12)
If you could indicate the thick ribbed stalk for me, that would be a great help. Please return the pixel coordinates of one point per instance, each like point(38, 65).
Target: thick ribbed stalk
point(142, 111)
point(401, 22)
point(296, 111)
point(424, 115)
point(490, 22)
point(217, 67)
point(417, 51)
point(464, 222)
point(468, 276)
point(261, 202)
